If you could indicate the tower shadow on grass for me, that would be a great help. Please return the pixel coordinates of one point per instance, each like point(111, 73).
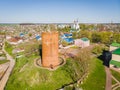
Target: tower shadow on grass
point(40, 51)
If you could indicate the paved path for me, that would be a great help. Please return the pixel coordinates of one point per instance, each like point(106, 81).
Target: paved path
point(68, 46)
point(108, 79)
point(8, 72)
point(3, 69)
point(3, 66)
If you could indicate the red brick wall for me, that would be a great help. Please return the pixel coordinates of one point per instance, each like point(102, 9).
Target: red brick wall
point(50, 49)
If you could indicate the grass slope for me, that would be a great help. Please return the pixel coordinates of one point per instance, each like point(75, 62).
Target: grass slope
point(96, 78)
point(33, 78)
point(8, 48)
point(26, 76)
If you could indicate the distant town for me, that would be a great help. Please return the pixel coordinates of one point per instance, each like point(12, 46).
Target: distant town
point(60, 56)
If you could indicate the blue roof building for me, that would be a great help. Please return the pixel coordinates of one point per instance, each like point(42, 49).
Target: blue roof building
point(38, 37)
point(69, 40)
point(67, 37)
point(21, 34)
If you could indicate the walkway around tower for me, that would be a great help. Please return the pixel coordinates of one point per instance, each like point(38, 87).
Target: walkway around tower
point(8, 72)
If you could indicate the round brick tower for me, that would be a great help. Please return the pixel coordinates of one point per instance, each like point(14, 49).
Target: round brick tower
point(50, 49)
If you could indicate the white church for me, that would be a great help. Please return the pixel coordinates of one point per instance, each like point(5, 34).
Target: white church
point(75, 25)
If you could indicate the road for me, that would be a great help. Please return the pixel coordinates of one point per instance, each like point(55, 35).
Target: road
point(3, 68)
point(8, 72)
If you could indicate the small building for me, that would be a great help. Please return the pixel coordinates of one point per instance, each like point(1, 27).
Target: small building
point(67, 37)
point(83, 42)
point(17, 50)
point(8, 37)
point(21, 34)
point(69, 40)
point(15, 40)
point(38, 37)
point(62, 25)
point(116, 58)
point(2, 36)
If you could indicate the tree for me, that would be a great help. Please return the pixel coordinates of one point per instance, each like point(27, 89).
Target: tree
point(106, 37)
point(96, 37)
point(91, 27)
point(30, 34)
point(116, 37)
point(83, 27)
point(74, 35)
point(64, 43)
point(85, 33)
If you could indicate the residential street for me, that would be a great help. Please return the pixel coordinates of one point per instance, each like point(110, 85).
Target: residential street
point(8, 72)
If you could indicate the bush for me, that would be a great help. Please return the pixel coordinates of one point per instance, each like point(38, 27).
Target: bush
point(8, 48)
point(97, 50)
point(64, 43)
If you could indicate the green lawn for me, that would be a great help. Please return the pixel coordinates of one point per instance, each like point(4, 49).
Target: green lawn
point(33, 78)
point(115, 44)
point(26, 76)
point(3, 61)
point(8, 48)
point(96, 78)
point(116, 63)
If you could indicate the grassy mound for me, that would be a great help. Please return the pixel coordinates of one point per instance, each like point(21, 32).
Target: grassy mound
point(33, 78)
point(96, 78)
point(26, 76)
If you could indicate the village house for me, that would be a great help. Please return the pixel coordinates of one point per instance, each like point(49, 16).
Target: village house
point(15, 40)
point(17, 50)
point(67, 37)
point(83, 42)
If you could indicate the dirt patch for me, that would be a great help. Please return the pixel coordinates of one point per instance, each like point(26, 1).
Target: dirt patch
point(37, 63)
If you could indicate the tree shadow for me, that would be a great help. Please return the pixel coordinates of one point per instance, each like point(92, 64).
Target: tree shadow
point(100, 57)
point(105, 57)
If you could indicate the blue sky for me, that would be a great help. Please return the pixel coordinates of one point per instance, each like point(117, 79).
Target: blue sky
point(59, 11)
